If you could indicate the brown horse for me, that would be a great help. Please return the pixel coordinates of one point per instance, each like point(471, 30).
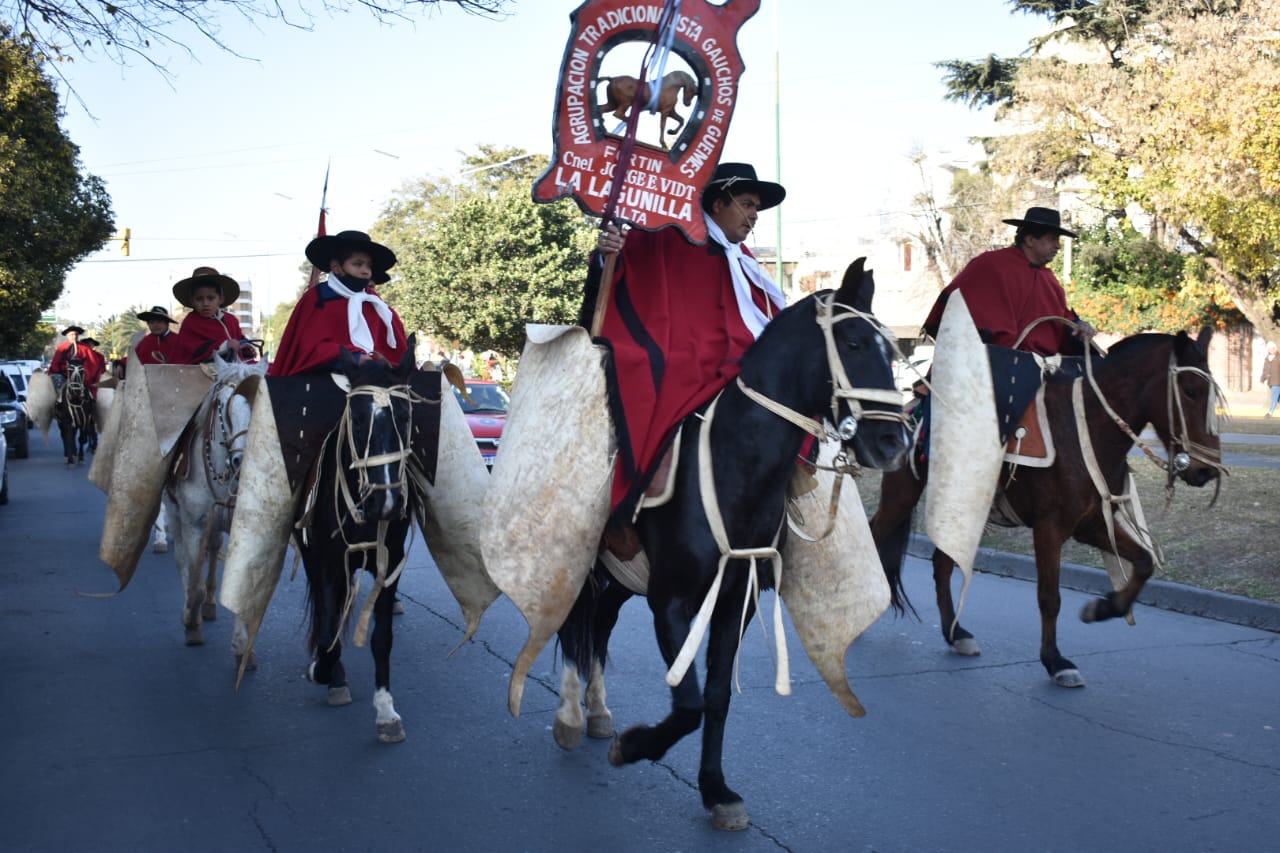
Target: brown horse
point(623, 91)
point(1161, 380)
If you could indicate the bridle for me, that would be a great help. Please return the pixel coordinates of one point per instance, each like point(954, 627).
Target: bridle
point(218, 419)
point(842, 391)
point(361, 460)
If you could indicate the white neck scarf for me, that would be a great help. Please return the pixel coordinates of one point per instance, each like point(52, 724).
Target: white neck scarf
point(747, 272)
point(357, 325)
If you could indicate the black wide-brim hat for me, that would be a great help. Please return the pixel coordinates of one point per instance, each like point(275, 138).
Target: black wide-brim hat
point(1042, 217)
point(321, 250)
point(229, 287)
point(741, 177)
point(89, 342)
point(157, 312)
point(76, 329)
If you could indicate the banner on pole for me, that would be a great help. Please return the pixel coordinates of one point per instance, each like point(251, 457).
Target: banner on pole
point(696, 87)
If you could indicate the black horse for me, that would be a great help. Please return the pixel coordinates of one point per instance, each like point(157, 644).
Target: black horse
point(822, 356)
point(75, 414)
point(358, 517)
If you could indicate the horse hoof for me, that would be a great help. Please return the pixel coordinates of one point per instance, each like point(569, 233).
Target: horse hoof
point(600, 725)
point(209, 611)
point(397, 609)
point(392, 731)
point(1068, 678)
point(195, 636)
point(567, 737)
point(340, 695)
point(967, 646)
point(615, 753)
point(732, 817)
point(160, 548)
point(251, 665)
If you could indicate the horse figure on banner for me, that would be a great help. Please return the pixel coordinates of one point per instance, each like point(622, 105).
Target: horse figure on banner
point(621, 93)
point(74, 411)
point(200, 496)
point(357, 516)
point(1156, 379)
point(713, 545)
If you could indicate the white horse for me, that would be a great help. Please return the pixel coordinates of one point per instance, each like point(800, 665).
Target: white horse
point(199, 505)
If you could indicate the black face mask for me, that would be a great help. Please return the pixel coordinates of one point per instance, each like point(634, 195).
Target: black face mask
point(353, 283)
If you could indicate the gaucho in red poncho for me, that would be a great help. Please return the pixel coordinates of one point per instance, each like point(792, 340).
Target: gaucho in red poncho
point(1008, 289)
point(343, 312)
point(208, 327)
point(679, 318)
point(160, 346)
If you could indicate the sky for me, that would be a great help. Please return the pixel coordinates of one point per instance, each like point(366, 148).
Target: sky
point(221, 163)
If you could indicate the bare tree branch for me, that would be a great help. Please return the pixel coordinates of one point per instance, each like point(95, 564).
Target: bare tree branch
point(130, 29)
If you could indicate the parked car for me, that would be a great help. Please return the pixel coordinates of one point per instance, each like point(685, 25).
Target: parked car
point(486, 414)
point(13, 417)
point(19, 372)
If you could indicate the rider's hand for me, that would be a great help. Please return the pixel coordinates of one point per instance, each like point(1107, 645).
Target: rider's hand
point(611, 239)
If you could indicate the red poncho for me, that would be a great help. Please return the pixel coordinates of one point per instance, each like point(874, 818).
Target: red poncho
point(159, 349)
point(67, 351)
point(200, 337)
point(317, 334)
point(1005, 294)
point(677, 336)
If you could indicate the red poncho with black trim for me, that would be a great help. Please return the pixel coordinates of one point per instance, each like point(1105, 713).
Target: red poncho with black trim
point(1005, 294)
point(158, 349)
point(677, 335)
point(318, 333)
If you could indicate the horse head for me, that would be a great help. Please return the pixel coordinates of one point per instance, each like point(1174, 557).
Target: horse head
point(375, 437)
point(229, 414)
point(1192, 412)
point(866, 405)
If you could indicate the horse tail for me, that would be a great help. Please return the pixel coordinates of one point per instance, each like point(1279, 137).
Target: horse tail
point(892, 548)
point(576, 637)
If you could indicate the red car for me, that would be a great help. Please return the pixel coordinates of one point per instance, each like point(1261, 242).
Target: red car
point(486, 414)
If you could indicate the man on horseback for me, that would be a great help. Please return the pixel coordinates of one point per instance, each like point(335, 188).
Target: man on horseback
point(72, 349)
point(680, 317)
point(160, 346)
point(1009, 289)
point(342, 313)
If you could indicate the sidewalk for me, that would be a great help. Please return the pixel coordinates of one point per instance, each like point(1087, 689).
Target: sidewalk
point(1166, 595)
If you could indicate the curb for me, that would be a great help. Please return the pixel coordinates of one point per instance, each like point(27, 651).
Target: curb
point(1166, 595)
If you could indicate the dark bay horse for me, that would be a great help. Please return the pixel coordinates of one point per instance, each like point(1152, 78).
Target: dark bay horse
point(621, 93)
point(1161, 380)
point(825, 355)
point(75, 414)
point(359, 518)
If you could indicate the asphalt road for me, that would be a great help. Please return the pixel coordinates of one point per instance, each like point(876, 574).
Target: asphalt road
point(115, 736)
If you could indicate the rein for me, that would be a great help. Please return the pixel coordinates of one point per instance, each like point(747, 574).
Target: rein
point(361, 461)
point(842, 390)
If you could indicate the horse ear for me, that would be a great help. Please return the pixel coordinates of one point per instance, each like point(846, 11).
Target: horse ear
point(408, 360)
point(858, 287)
point(1203, 339)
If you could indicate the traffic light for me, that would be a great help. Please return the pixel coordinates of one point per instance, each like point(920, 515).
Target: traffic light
point(124, 242)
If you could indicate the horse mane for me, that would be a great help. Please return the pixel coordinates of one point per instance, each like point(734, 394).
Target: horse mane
point(1135, 346)
point(234, 370)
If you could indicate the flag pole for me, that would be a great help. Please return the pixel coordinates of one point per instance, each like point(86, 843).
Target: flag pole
point(314, 278)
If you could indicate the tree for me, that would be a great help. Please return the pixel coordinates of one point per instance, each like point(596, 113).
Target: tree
point(51, 213)
point(1168, 108)
point(1127, 283)
point(479, 259)
point(125, 29)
